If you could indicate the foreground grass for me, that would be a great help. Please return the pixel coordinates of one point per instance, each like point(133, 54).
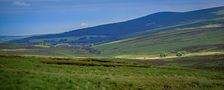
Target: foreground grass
point(24, 73)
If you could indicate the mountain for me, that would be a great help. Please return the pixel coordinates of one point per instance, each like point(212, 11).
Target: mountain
point(121, 30)
point(195, 37)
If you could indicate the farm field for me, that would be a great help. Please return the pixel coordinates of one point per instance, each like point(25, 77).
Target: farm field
point(52, 73)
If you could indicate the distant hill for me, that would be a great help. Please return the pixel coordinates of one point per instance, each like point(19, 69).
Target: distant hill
point(9, 38)
point(121, 30)
point(195, 37)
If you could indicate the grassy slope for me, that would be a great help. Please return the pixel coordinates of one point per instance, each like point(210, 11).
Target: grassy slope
point(23, 73)
point(209, 32)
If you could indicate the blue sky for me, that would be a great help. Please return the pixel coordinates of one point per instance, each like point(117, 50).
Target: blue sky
point(27, 17)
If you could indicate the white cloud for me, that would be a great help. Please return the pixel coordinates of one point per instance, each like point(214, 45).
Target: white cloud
point(20, 3)
point(83, 24)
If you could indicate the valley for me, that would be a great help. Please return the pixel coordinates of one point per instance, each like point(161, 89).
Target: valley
point(160, 51)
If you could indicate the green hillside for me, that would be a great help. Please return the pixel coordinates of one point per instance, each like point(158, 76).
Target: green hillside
point(195, 37)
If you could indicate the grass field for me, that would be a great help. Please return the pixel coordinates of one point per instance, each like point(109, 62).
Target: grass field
point(44, 73)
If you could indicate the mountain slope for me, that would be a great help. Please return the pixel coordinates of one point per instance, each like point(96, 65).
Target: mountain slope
point(205, 35)
point(115, 31)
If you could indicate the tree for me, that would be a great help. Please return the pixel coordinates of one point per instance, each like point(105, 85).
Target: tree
point(180, 53)
point(163, 54)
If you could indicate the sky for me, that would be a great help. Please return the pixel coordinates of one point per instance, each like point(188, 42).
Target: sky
point(34, 17)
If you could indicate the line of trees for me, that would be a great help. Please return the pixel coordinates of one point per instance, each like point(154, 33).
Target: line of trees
point(178, 54)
